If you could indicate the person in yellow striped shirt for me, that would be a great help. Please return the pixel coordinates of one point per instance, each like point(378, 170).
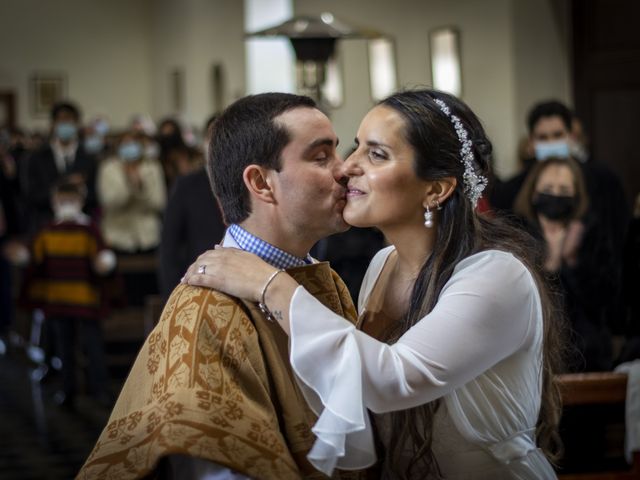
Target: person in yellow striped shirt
point(68, 260)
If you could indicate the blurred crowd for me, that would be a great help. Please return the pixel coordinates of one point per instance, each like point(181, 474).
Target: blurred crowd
point(577, 208)
point(82, 197)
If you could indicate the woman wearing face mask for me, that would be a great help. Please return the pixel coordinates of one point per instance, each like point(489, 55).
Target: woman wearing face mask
point(131, 191)
point(132, 194)
point(554, 201)
point(456, 348)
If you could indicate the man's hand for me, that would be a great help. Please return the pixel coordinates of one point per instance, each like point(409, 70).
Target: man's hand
point(572, 241)
point(554, 235)
point(16, 253)
point(133, 175)
point(76, 179)
point(563, 242)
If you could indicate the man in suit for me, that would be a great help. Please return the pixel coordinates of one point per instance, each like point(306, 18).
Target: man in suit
point(192, 224)
point(64, 155)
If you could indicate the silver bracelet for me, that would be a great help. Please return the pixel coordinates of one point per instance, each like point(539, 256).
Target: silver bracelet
point(262, 305)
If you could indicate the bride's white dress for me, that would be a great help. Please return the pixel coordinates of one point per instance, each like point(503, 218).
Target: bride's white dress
point(480, 350)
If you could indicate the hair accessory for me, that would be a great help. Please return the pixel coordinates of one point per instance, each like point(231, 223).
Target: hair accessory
point(262, 305)
point(474, 183)
point(428, 218)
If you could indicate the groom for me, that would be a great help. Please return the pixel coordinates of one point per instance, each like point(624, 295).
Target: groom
point(211, 392)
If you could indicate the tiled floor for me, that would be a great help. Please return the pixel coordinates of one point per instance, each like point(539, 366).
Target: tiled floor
point(38, 438)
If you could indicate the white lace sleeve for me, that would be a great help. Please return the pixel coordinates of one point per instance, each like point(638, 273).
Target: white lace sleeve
point(482, 316)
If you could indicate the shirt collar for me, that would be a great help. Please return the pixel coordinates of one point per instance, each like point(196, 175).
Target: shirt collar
point(60, 152)
point(267, 252)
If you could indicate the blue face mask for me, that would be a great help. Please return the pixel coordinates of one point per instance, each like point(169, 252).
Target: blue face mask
point(546, 150)
point(94, 144)
point(65, 131)
point(130, 151)
point(101, 127)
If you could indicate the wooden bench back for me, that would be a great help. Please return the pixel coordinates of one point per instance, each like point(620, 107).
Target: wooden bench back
point(598, 388)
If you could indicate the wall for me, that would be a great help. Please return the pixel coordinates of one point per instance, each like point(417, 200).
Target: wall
point(118, 55)
point(194, 35)
point(540, 54)
point(102, 46)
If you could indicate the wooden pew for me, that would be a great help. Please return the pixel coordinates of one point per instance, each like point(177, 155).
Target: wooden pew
point(141, 263)
point(598, 388)
point(126, 327)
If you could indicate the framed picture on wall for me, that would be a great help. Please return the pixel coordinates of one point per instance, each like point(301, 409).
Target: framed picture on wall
point(45, 90)
point(177, 89)
point(218, 87)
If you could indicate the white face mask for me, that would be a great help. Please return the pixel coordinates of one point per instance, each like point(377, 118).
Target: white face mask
point(67, 211)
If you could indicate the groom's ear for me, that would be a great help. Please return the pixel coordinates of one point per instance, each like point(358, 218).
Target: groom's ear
point(256, 179)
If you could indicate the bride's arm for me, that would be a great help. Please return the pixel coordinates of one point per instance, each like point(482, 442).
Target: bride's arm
point(483, 315)
point(244, 275)
point(277, 297)
point(480, 318)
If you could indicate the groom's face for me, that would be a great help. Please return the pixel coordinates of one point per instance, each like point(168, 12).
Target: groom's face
point(310, 188)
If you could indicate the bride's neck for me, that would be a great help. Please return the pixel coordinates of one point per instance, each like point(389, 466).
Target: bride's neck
point(414, 244)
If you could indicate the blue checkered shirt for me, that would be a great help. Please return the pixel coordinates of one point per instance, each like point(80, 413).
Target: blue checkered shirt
point(267, 252)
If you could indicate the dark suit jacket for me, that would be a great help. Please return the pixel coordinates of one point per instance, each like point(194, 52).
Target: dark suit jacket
point(192, 224)
point(42, 175)
point(9, 204)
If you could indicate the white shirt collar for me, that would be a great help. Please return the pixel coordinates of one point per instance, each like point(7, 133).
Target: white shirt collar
point(60, 152)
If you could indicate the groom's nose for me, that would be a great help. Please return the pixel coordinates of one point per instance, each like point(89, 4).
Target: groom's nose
point(339, 172)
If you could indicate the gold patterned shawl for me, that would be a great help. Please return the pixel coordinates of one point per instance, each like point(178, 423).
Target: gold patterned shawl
point(213, 381)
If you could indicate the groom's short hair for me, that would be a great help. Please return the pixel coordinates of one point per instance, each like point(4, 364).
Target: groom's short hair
point(246, 134)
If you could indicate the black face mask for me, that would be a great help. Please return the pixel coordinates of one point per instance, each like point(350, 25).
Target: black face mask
point(554, 207)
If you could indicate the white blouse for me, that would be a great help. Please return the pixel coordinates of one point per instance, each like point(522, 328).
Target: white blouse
point(480, 348)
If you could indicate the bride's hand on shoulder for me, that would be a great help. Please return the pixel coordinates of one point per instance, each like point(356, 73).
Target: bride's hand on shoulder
point(230, 270)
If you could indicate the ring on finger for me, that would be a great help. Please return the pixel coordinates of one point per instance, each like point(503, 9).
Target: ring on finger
point(202, 269)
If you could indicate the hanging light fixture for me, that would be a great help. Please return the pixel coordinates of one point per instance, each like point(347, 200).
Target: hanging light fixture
point(314, 39)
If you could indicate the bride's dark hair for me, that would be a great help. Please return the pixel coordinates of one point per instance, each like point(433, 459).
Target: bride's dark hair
point(461, 233)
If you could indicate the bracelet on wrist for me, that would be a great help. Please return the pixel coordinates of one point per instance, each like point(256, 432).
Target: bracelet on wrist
point(261, 304)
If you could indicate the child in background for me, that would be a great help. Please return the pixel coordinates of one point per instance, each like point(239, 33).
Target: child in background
point(68, 259)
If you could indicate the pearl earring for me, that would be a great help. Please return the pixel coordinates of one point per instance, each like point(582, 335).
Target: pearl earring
point(428, 218)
